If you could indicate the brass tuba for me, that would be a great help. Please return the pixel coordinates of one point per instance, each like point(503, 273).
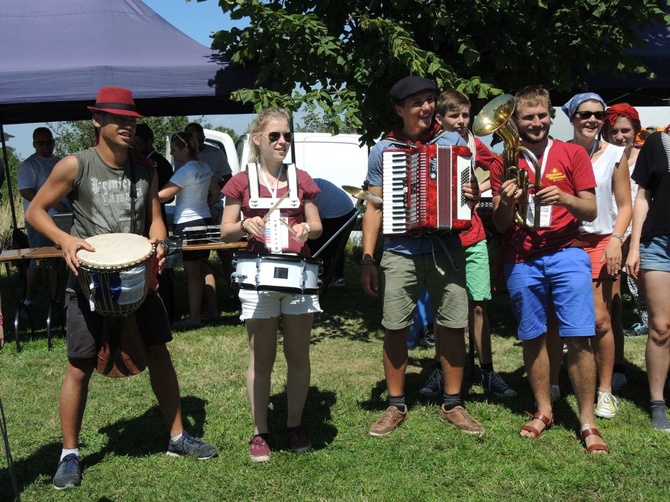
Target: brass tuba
point(495, 117)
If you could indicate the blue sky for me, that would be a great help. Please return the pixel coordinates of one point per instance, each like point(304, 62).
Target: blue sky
point(198, 20)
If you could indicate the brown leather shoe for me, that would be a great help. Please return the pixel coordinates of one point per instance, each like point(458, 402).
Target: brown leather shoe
point(388, 421)
point(462, 419)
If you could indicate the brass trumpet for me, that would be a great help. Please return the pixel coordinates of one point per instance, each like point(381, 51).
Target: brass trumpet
point(495, 117)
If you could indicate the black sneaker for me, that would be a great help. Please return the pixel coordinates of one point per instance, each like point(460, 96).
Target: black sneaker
point(68, 473)
point(188, 445)
point(434, 384)
point(494, 384)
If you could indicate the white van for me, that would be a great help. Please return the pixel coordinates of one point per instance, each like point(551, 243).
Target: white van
point(339, 158)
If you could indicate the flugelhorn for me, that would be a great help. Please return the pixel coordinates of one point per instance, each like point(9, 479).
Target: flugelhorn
point(496, 117)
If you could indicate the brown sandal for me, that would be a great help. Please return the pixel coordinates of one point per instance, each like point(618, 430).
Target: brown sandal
point(548, 422)
point(592, 431)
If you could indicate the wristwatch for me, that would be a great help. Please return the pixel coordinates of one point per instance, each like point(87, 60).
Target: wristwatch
point(368, 260)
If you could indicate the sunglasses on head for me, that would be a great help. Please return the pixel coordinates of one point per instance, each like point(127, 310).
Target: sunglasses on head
point(587, 115)
point(273, 137)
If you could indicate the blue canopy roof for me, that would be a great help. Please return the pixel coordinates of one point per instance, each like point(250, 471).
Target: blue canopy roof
point(55, 55)
point(638, 89)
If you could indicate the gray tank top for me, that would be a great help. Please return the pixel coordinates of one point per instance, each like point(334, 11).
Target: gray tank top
point(101, 196)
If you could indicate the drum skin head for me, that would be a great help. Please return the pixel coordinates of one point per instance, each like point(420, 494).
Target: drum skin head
point(114, 251)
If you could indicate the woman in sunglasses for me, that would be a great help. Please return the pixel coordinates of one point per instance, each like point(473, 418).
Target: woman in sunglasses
point(279, 229)
point(603, 237)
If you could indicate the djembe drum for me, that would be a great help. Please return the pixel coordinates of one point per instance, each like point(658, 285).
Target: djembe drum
point(115, 278)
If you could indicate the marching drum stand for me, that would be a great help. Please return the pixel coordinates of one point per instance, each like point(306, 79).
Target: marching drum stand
point(362, 196)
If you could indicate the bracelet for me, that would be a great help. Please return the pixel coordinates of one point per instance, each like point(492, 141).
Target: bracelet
point(620, 237)
point(244, 230)
point(307, 227)
point(368, 260)
point(1, 318)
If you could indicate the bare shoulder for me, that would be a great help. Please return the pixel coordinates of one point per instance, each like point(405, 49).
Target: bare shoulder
point(66, 168)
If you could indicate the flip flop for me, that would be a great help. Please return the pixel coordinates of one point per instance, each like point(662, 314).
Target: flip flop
point(548, 422)
point(592, 431)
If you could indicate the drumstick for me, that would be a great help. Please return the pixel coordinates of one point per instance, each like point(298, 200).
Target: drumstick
point(290, 228)
point(275, 206)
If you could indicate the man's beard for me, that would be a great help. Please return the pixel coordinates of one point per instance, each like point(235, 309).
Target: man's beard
point(535, 138)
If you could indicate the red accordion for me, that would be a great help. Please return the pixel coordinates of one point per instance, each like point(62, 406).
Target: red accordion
point(423, 189)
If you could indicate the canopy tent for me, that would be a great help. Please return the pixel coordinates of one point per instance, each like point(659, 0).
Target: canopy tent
point(56, 55)
point(637, 89)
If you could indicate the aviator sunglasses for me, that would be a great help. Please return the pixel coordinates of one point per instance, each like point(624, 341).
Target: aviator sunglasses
point(585, 115)
point(273, 137)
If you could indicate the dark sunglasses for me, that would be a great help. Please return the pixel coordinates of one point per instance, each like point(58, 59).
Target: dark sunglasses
point(273, 137)
point(45, 143)
point(587, 115)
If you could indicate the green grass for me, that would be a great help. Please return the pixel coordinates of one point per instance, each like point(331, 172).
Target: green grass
point(123, 439)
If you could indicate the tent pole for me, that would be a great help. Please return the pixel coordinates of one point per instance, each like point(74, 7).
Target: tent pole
point(10, 194)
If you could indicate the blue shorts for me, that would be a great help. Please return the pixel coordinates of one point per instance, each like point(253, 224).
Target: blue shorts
point(564, 278)
point(655, 254)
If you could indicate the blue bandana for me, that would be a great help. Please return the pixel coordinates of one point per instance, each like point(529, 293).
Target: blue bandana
point(571, 106)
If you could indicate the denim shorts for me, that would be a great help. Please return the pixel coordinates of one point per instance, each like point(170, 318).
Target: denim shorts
point(444, 278)
point(655, 254)
point(270, 304)
point(563, 278)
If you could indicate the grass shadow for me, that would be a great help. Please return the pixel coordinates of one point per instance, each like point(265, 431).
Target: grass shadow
point(317, 419)
point(146, 434)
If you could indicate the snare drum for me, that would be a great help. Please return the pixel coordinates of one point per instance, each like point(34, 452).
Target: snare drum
point(276, 272)
point(116, 276)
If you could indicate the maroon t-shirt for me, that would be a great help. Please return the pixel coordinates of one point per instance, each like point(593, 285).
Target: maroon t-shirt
point(238, 188)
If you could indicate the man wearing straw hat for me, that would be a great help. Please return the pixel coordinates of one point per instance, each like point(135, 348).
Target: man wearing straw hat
point(96, 181)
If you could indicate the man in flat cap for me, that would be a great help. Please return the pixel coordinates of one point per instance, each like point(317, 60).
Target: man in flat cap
point(434, 261)
point(105, 183)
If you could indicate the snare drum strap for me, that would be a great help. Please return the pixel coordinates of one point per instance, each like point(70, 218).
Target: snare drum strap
point(255, 200)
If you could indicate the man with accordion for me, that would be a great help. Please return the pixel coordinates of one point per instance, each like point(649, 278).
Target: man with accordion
point(415, 256)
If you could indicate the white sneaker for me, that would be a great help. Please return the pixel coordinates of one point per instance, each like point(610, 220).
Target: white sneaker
point(607, 405)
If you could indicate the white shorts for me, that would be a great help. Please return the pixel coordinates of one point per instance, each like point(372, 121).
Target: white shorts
point(269, 304)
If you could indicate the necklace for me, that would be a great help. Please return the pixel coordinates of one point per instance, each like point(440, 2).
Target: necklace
point(272, 187)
